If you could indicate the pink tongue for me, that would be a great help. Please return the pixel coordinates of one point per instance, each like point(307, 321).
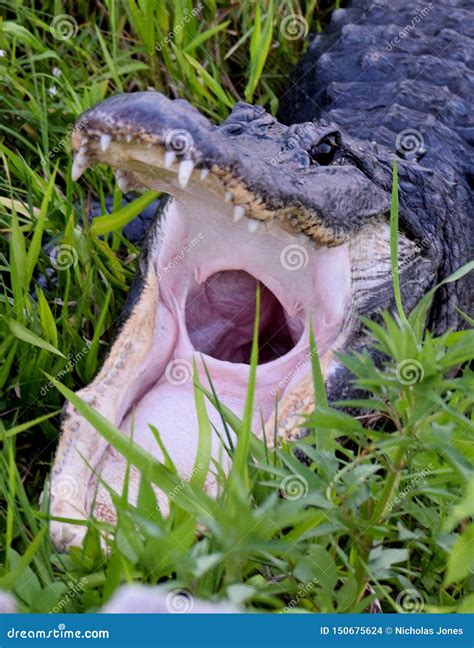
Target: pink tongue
point(171, 409)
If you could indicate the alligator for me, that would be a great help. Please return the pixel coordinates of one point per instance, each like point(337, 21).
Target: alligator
point(299, 205)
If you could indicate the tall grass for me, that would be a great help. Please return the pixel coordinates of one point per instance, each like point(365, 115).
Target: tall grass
point(386, 505)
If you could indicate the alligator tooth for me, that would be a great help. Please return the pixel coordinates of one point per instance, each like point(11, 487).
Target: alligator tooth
point(122, 181)
point(252, 225)
point(184, 172)
point(170, 157)
point(228, 196)
point(105, 141)
point(128, 138)
point(123, 184)
point(79, 165)
point(239, 212)
point(204, 173)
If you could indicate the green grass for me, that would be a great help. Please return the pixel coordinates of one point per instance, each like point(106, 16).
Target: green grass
point(387, 504)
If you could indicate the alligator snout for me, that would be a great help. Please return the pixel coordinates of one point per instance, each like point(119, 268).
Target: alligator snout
point(302, 176)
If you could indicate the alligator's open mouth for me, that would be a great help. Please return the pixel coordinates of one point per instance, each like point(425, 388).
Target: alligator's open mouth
point(221, 234)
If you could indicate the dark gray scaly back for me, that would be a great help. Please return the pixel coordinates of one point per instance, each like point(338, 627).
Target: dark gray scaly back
point(385, 66)
point(401, 74)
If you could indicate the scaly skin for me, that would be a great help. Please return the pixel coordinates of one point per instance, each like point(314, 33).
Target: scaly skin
point(327, 177)
point(384, 67)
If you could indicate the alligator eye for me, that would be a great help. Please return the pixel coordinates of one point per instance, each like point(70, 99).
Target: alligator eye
point(324, 152)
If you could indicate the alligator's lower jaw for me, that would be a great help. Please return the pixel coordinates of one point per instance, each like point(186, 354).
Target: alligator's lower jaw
point(198, 303)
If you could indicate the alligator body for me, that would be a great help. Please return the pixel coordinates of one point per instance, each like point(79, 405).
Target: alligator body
point(300, 205)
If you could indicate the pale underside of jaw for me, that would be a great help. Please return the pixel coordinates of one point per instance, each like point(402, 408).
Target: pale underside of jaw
point(206, 263)
point(208, 267)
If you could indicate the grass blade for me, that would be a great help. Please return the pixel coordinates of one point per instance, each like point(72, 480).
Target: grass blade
point(320, 397)
point(203, 455)
point(239, 468)
point(105, 224)
point(24, 334)
point(394, 243)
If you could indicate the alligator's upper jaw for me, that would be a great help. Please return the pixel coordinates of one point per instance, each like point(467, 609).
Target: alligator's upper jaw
point(272, 171)
point(205, 258)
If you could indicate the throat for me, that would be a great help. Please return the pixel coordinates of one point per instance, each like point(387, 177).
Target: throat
point(220, 316)
point(208, 268)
